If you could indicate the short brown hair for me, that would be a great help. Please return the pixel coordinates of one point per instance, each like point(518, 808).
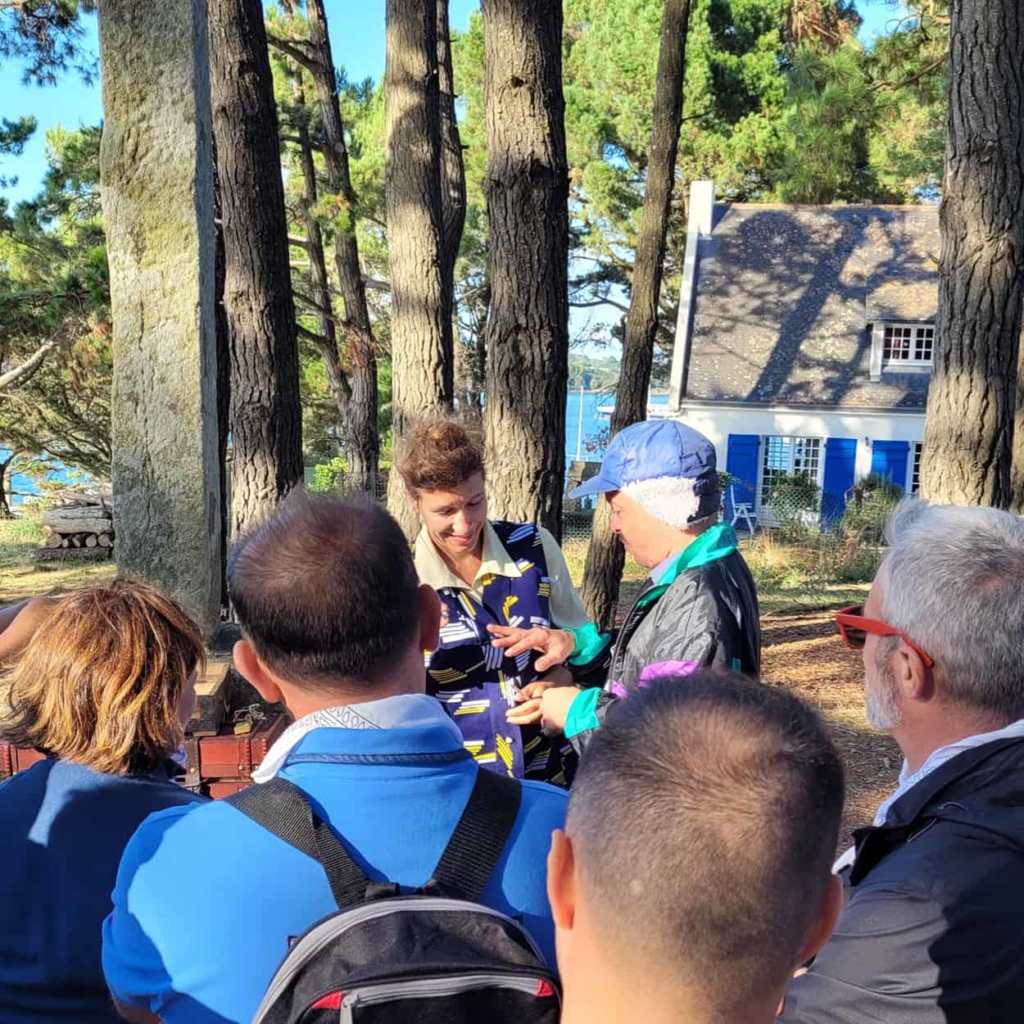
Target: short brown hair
point(100, 682)
point(326, 592)
point(438, 455)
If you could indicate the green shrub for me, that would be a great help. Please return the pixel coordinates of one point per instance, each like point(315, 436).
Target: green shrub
point(869, 507)
point(794, 505)
point(328, 477)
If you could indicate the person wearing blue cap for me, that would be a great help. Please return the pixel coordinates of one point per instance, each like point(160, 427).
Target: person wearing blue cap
point(699, 607)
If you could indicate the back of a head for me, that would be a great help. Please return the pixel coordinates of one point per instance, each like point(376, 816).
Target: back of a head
point(954, 583)
point(326, 592)
point(704, 820)
point(101, 681)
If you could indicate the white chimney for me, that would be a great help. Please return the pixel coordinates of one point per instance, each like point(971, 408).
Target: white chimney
point(699, 224)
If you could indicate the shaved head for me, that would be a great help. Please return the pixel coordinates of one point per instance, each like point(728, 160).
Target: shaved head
point(704, 819)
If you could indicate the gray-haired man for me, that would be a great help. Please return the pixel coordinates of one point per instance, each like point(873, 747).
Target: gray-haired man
point(931, 932)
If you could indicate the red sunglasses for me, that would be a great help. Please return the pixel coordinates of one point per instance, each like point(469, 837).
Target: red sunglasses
point(854, 629)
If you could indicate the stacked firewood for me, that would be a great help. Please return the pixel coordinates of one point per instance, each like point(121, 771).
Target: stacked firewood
point(77, 528)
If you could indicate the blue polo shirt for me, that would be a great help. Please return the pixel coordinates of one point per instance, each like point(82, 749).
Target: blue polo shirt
point(206, 900)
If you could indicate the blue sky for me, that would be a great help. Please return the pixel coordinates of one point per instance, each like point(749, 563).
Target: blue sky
point(357, 35)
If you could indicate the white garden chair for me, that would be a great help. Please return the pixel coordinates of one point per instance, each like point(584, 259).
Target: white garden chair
point(742, 510)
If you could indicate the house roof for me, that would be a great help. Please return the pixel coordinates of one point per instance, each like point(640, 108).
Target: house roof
point(785, 295)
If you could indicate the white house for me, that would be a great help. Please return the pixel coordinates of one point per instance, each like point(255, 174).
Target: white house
point(805, 340)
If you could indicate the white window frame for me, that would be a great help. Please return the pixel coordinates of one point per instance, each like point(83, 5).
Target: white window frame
point(916, 451)
point(762, 512)
point(919, 332)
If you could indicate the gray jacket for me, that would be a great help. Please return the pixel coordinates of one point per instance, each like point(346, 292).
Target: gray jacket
point(931, 932)
point(704, 611)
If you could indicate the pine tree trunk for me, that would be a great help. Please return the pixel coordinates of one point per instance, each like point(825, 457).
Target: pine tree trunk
point(5, 508)
point(363, 438)
point(223, 391)
point(266, 415)
point(527, 189)
point(605, 556)
point(420, 317)
point(453, 186)
point(968, 440)
point(1017, 466)
point(319, 282)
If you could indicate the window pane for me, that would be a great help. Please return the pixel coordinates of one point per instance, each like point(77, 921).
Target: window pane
point(924, 342)
point(908, 343)
point(785, 455)
point(897, 342)
point(915, 476)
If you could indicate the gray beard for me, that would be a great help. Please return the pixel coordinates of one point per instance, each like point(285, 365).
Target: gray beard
point(880, 703)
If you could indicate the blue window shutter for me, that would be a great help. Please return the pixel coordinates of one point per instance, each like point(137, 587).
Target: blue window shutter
point(741, 463)
point(889, 458)
point(840, 458)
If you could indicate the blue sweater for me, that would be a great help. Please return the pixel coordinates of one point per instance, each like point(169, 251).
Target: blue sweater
point(63, 828)
point(394, 796)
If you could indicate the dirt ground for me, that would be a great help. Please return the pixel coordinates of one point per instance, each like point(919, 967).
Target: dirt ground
point(803, 652)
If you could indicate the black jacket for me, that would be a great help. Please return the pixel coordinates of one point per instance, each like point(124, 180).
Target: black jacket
point(933, 930)
point(708, 615)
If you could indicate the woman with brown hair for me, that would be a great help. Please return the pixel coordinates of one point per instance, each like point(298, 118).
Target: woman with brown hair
point(103, 687)
point(490, 575)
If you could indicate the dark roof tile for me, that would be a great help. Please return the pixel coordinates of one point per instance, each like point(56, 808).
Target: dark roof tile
point(785, 294)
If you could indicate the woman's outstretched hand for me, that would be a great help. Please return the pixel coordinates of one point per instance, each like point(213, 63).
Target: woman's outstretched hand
point(555, 645)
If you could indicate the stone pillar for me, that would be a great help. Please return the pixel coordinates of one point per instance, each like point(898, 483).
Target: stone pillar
point(157, 188)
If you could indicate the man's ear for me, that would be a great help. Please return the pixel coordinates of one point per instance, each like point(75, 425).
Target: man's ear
point(913, 678)
point(430, 618)
point(254, 671)
point(562, 881)
point(829, 909)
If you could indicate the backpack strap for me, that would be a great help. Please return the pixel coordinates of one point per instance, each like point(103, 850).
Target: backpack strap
point(475, 847)
point(283, 809)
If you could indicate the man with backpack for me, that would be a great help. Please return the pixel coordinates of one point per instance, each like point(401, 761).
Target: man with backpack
point(368, 795)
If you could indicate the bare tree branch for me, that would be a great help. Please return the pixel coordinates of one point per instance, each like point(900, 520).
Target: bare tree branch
point(22, 373)
point(305, 332)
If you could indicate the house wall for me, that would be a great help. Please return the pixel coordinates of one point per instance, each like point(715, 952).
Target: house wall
point(718, 422)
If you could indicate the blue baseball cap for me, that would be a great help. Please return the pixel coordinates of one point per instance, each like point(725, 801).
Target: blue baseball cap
point(654, 449)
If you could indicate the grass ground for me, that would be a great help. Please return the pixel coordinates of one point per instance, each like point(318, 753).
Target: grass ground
point(801, 649)
point(21, 576)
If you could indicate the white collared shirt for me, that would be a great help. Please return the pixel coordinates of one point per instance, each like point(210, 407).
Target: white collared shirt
point(567, 611)
point(939, 757)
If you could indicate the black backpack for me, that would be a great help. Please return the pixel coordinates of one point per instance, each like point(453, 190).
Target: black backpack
point(434, 957)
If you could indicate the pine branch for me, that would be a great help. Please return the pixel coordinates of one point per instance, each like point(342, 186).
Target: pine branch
point(926, 70)
point(315, 306)
point(293, 49)
point(305, 332)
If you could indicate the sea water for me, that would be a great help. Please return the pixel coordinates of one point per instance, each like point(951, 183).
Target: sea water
point(587, 417)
